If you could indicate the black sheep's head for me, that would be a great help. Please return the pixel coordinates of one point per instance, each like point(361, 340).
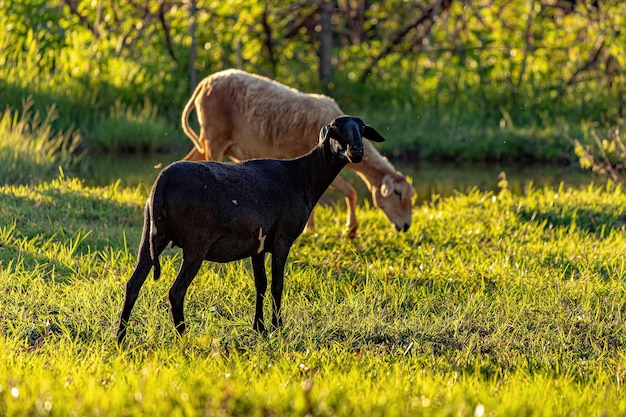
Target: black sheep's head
point(344, 135)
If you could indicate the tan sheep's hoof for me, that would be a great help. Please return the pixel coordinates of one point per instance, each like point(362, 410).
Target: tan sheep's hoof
point(352, 231)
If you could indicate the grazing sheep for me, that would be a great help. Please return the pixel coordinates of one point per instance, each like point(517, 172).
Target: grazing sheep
point(223, 212)
point(245, 116)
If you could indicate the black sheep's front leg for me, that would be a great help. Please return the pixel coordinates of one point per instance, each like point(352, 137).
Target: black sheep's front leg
point(279, 259)
point(260, 284)
point(188, 270)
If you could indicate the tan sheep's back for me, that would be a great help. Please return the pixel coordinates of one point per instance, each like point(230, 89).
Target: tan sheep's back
point(278, 121)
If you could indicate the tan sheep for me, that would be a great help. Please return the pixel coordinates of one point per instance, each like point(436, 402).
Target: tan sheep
point(246, 116)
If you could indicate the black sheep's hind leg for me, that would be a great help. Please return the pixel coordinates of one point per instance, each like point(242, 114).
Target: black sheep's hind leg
point(138, 278)
point(188, 271)
point(133, 286)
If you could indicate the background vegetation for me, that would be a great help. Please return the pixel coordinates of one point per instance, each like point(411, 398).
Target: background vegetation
point(493, 303)
point(30, 149)
point(482, 80)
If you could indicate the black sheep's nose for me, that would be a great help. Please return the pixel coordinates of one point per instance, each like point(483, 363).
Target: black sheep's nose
point(355, 154)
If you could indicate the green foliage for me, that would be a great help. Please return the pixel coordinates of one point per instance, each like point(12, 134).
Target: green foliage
point(97, 82)
point(30, 150)
point(603, 150)
point(521, 314)
point(450, 81)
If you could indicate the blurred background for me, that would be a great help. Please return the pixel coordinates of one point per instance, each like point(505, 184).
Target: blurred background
point(462, 90)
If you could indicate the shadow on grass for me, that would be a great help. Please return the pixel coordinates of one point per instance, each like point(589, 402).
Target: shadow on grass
point(51, 228)
point(595, 221)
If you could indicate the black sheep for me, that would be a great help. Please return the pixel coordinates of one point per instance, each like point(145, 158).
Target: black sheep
point(223, 212)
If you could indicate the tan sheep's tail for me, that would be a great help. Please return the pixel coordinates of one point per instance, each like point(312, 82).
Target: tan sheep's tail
point(184, 121)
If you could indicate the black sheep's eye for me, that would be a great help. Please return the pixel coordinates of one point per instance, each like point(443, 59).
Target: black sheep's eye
point(399, 194)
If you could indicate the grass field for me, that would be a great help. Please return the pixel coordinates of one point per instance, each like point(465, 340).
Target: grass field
point(491, 304)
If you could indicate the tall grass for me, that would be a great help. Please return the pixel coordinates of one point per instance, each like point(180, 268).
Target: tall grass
point(31, 148)
point(491, 304)
point(134, 129)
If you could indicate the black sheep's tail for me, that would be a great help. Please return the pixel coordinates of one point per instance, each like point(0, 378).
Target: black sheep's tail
point(156, 206)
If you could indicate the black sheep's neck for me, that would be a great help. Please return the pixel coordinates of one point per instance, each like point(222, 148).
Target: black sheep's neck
point(317, 170)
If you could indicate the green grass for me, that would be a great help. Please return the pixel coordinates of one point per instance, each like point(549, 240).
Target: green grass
point(491, 303)
point(30, 149)
point(133, 129)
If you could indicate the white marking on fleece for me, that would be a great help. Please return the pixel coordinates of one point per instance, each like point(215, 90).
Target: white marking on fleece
point(261, 240)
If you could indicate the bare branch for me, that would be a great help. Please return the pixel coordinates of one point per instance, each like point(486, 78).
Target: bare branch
point(527, 47)
point(193, 76)
point(166, 30)
point(269, 42)
point(428, 15)
point(83, 20)
point(295, 27)
point(590, 63)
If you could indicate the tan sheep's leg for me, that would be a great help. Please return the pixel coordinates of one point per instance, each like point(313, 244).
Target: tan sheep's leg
point(208, 155)
point(214, 154)
point(349, 193)
point(194, 155)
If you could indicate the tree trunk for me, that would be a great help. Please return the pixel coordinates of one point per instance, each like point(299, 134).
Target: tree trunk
point(193, 76)
point(326, 45)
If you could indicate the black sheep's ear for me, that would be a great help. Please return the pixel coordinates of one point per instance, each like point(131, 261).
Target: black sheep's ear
point(325, 133)
point(370, 133)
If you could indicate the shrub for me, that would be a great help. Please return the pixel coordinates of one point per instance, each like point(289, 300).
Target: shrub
point(603, 151)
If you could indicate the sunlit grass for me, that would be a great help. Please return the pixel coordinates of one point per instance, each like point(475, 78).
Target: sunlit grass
point(490, 304)
point(29, 146)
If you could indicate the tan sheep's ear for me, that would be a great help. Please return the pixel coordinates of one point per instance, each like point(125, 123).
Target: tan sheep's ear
point(386, 187)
